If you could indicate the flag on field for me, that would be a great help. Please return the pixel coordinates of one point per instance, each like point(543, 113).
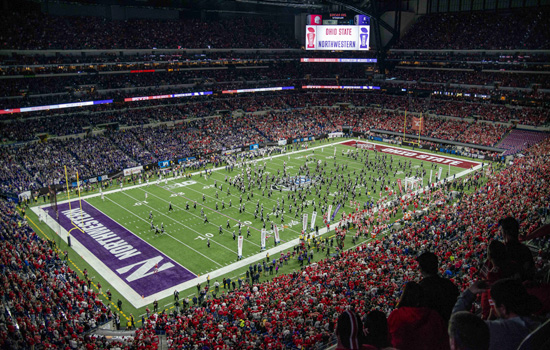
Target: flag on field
point(400, 185)
point(329, 210)
point(240, 246)
point(336, 211)
point(304, 223)
point(417, 124)
point(276, 231)
point(439, 173)
point(262, 239)
point(313, 217)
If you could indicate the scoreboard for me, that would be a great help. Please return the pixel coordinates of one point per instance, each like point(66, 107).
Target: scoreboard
point(338, 37)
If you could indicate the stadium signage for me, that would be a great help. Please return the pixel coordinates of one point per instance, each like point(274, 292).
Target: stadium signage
point(134, 170)
point(59, 106)
point(158, 97)
point(184, 160)
point(338, 60)
point(276, 88)
point(335, 37)
point(122, 257)
point(164, 164)
point(352, 87)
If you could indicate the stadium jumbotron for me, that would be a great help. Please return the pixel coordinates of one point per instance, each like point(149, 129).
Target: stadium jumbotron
point(231, 174)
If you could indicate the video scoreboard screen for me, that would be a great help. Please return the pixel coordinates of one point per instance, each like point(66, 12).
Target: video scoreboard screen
point(348, 37)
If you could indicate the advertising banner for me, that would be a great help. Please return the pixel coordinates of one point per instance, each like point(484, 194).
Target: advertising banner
point(134, 170)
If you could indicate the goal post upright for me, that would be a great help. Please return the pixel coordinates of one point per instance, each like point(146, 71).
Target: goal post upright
point(405, 126)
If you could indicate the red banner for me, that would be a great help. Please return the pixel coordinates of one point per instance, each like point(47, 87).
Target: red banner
point(417, 124)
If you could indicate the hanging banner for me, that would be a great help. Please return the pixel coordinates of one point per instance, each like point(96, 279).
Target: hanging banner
point(276, 231)
point(240, 246)
point(262, 242)
point(313, 217)
point(417, 124)
point(304, 223)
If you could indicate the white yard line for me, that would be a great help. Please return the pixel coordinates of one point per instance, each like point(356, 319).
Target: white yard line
point(174, 238)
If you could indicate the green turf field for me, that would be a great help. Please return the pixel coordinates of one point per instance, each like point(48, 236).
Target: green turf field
point(186, 233)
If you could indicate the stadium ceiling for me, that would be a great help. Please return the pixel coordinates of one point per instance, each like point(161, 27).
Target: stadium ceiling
point(282, 6)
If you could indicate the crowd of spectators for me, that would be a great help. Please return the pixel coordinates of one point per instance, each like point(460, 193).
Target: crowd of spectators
point(37, 164)
point(52, 305)
point(521, 29)
point(44, 32)
point(302, 309)
point(55, 122)
point(504, 79)
point(44, 303)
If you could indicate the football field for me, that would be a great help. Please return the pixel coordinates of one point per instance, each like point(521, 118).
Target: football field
point(150, 239)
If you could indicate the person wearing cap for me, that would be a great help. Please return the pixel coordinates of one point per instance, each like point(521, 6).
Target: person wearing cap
point(439, 293)
point(513, 307)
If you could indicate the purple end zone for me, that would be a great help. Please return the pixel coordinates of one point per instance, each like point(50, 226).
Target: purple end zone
point(125, 254)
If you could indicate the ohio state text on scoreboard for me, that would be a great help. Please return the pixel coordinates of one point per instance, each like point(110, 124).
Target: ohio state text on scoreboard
point(337, 37)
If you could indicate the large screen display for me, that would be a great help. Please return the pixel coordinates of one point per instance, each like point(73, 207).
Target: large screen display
point(334, 37)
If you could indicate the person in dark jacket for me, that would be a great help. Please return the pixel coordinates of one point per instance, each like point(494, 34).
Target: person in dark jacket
point(438, 293)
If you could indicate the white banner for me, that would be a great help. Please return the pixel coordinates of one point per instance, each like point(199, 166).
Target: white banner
point(439, 173)
point(335, 134)
point(25, 195)
point(329, 211)
point(134, 170)
point(304, 223)
point(431, 173)
point(276, 231)
point(313, 217)
point(240, 240)
point(262, 242)
point(335, 37)
point(282, 142)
